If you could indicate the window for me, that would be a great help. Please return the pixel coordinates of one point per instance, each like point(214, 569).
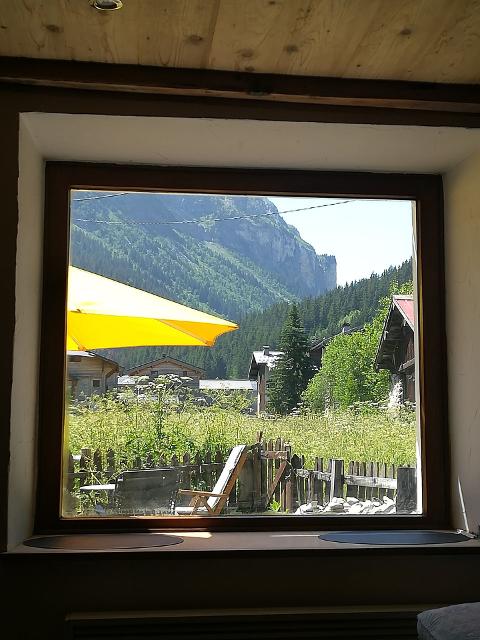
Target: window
point(96, 383)
point(391, 356)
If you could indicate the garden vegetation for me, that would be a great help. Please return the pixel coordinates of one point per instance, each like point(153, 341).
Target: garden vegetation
point(348, 373)
point(165, 418)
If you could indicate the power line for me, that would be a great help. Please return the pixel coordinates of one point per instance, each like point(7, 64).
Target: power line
point(110, 195)
point(206, 218)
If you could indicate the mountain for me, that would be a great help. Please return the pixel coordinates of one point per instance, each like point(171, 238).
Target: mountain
point(182, 248)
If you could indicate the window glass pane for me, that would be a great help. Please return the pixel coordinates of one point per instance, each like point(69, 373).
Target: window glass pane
point(241, 355)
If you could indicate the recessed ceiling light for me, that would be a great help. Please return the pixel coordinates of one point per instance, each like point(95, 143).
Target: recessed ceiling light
point(106, 5)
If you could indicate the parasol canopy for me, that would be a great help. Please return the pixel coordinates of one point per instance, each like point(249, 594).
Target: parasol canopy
point(103, 313)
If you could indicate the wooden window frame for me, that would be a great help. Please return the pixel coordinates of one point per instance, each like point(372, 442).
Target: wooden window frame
point(424, 189)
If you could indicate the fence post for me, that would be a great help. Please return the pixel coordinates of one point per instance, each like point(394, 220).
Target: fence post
point(149, 461)
point(185, 473)
point(352, 489)
point(198, 479)
point(207, 470)
point(269, 466)
point(261, 478)
point(219, 460)
point(406, 489)
point(70, 472)
point(292, 484)
point(259, 496)
point(336, 479)
point(317, 484)
point(97, 465)
point(280, 490)
point(369, 474)
point(361, 471)
point(110, 464)
point(382, 473)
point(69, 502)
point(391, 473)
point(246, 485)
point(286, 494)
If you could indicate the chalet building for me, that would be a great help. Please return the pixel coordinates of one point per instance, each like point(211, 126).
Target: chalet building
point(316, 352)
point(261, 365)
point(396, 348)
point(167, 365)
point(90, 373)
point(264, 361)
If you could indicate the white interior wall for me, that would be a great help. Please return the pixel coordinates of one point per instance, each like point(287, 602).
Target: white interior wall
point(250, 143)
point(462, 255)
point(200, 142)
point(26, 340)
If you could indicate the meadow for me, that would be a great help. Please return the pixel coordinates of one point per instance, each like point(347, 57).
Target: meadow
point(164, 419)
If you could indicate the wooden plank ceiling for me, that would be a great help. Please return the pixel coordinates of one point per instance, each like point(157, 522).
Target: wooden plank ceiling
point(420, 40)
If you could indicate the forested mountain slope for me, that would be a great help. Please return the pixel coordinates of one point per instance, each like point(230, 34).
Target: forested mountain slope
point(322, 316)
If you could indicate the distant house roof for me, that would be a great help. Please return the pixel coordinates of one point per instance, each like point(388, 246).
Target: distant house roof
point(321, 344)
point(91, 354)
point(229, 385)
point(270, 358)
point(126, 381)
point(401, 314)
point(264, 357)
point(318, 347)
point(165, 358)
point(406, 308)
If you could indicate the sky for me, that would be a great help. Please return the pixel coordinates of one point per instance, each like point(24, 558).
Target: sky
point(365, 236)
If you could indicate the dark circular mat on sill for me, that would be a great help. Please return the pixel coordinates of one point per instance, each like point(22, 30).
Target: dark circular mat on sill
point(103, 541)
point(394, 537)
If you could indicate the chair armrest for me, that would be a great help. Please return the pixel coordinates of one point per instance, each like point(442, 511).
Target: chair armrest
point(192, 492)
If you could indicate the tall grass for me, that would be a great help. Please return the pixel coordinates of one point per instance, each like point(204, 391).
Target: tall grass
point(163, 422)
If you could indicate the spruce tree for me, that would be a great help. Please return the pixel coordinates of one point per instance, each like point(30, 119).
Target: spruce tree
point(293, 369)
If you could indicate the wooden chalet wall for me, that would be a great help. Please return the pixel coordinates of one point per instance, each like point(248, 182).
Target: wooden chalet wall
point(89, 375)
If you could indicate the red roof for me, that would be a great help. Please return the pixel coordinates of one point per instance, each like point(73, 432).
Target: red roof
point(406, 308)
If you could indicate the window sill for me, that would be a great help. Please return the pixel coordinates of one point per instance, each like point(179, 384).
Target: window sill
point(260, 543)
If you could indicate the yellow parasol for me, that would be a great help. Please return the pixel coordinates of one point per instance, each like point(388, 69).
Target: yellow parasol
point(104, 314)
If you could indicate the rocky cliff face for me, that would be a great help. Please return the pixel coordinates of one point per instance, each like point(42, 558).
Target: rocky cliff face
point(271, 243)
point(231, 266)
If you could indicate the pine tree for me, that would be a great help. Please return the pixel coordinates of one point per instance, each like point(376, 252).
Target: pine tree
point(293, 369)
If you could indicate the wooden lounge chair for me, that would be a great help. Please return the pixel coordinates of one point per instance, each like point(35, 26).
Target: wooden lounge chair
point(212, 502)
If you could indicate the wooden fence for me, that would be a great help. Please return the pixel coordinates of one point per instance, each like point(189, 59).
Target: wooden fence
point(326, 480)
point(89, 468)
point(272, 473)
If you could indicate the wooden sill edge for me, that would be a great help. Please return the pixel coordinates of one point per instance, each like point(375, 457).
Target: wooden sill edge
point(253, 543)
